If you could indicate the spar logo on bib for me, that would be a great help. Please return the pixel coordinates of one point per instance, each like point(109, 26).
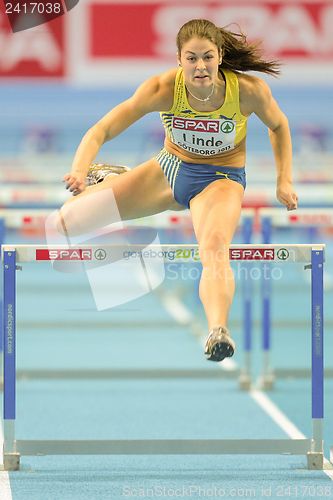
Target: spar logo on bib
point(195, 125)
point(227, 126)
point(204, 137)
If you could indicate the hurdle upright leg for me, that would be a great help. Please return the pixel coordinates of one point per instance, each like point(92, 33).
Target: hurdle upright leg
point(247, 289)
point(2, 240)
point(267, 378)
point(11, 457)
point(316, 455)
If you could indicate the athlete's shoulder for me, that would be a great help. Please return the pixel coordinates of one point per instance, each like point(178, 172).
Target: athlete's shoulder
point(252, 92)
point(156, 93)
point(250, 84)
point(168, 77)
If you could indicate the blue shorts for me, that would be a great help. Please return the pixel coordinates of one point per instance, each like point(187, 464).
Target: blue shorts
point(189, 179)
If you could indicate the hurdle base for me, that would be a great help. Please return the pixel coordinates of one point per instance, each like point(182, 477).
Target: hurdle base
point(298, 373)
point(11, 461)
point(266, 382)
point(165, 447)
point(315, 460)
point(125, 374)
point(331, 455)
point(245, 382)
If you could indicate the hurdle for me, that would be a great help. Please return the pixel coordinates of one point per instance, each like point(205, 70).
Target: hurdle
point(270, 218)
point(312, 195)
point(23, 196)
point(34, 218)
point(312, 448)
point(52, 196)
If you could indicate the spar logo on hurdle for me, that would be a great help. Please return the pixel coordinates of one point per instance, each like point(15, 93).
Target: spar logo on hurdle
point(252, 253)
point(282, 254)
point(61, 254)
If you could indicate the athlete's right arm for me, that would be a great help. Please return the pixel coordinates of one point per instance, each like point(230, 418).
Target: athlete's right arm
point(154, 94)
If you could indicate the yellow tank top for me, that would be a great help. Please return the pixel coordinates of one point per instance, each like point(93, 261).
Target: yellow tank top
point(216, 137)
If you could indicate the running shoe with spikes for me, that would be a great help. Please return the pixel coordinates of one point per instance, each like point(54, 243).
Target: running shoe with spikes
point(219, 344)
point(99, 171)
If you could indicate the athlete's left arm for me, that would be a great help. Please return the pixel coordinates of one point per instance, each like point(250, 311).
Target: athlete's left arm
point(266, 108)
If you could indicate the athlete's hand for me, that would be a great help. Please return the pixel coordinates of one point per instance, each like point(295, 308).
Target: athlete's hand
point(286, 195)
point(76, 183)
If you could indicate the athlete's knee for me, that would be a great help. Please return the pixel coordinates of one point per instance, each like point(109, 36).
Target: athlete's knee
point(60, 225)
point(214, 249)
point(87, 213)
point(67, 221)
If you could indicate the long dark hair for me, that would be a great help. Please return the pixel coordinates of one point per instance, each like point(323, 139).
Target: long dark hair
point(237, 53)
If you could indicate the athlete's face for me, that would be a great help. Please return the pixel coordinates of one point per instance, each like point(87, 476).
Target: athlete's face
point(200, 59)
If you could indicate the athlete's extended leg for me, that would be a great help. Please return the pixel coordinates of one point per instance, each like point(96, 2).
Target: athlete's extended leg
point(215, 214)
point(140, 192)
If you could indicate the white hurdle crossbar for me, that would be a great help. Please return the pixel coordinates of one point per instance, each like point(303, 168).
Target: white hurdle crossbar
point(312, 448)
point(16, 195)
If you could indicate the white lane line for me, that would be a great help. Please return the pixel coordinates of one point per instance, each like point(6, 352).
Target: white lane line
point(5, 489)
point(283, 422)
point(276, 414)
point(176, 309)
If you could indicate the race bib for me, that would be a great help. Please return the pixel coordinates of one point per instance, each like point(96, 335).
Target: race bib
point(206, 137)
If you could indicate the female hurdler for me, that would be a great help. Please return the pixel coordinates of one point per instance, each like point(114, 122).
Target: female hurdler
point(204, 105)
